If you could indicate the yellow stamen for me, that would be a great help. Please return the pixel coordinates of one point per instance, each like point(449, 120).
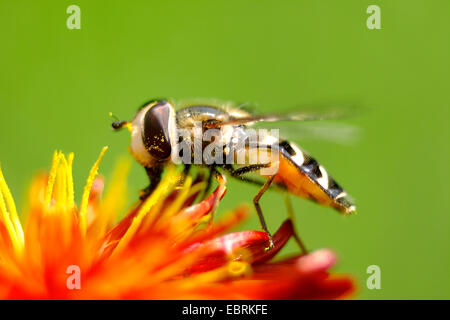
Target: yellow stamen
point(231, 269)
point(10, 217)
point(87, 191)
point(60, 187)
point(52, 178)
point(181, 226)
point(164, 187)
point(60, 184)
point(70, 191)
point(196, 188)
point(180, 199)
point(62, 197)
point(114, 199)
point(9, 226)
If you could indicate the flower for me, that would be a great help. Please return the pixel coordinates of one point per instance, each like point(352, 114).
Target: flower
point(162, 249)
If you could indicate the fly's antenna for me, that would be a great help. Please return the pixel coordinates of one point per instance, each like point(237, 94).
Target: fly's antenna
point(119, 124)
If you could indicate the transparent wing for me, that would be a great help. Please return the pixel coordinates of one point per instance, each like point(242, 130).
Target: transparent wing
point(293, 124)
point(338, 133)
point(298, 114)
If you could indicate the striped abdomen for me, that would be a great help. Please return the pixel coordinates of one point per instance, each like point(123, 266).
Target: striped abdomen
point(303, 176)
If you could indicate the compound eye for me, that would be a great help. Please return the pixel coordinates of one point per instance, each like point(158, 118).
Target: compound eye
point(155, 133)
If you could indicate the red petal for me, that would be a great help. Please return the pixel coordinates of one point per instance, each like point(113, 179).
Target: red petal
point(281, 289)
point(303, 277)
point(202, 208)
point(280, 238)
point(314, 262)
point(296, 278)
point(249, 246)
point(96, 190)
point(191, 199)
point(221, 225)
point(317, 261)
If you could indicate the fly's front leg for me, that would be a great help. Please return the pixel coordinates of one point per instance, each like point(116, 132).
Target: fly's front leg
point(186, 169)
point(154, 174)
point(205, 191)
point(221, 179)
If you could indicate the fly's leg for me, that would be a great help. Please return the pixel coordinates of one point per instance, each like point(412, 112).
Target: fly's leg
point(205, 191)
point(250, 168)
point(154, 174)
point(222, 181)
point(239, 173)
point(262, 221)
point(186, 169)
point(291, 217)
point(144, 193)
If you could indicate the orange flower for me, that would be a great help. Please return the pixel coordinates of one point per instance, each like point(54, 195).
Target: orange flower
point(162, 249)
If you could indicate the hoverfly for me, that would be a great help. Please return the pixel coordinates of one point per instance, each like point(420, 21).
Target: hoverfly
point(155, 138)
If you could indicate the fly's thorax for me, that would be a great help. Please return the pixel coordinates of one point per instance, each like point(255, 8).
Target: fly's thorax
point(198, 144)
point(189, 117)
point(153, 133)
point(203, 138)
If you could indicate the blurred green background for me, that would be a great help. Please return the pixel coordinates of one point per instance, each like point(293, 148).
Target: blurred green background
point(58, 85)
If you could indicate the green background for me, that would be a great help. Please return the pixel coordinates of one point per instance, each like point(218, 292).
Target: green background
point(58, 85)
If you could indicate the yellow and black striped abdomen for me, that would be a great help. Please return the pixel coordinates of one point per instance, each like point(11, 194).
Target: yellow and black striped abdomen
point(303, 176)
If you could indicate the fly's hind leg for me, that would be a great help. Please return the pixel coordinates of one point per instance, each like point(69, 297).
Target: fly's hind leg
point(291, 217)
point(256, 199)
